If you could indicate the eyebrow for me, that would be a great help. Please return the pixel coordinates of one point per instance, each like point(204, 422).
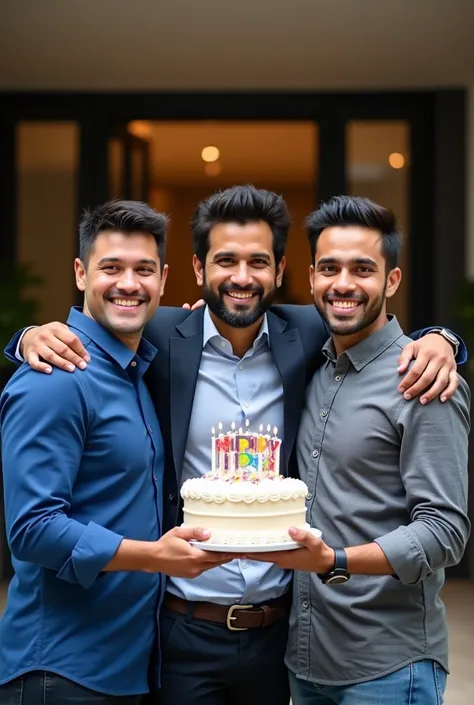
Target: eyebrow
point(358, 260)
point(109, 260)
point(260, 255)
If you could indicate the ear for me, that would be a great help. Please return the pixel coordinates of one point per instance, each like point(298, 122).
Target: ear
point(279, 271)
point(198, 270)
point(393, 282)
point(80, 272)
point(164, 277)
point(311, 276)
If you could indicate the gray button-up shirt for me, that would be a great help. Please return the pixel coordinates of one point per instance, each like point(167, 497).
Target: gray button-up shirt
point(385, 469)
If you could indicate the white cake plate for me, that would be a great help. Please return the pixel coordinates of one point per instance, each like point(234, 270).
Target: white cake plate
point(252, 548)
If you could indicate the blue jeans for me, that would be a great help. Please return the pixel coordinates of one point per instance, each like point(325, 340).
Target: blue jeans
point(419, 683)
point(42, 688)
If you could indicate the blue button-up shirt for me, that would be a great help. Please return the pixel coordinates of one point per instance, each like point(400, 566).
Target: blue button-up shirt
point(83, 463)
point(229, 389)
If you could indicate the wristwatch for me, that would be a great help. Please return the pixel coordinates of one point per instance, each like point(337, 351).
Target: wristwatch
point(447, 335)
point(339, 573)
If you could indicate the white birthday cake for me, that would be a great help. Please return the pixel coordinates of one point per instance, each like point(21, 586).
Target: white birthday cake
point(244, 500)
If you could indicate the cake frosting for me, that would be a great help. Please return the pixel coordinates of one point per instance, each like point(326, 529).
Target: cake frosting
point(245, 500)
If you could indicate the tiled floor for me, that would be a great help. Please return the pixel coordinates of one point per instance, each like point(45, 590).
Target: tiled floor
point(459, 599)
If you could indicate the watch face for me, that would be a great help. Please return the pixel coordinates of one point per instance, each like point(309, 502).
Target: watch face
point(451, 337)
point(337, 579)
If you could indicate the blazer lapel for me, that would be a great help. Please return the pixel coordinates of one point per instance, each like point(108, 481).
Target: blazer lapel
point(288, 353)
point(185, 358)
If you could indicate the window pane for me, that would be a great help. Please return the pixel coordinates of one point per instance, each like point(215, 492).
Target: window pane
point(47, 159)
point(378, 163)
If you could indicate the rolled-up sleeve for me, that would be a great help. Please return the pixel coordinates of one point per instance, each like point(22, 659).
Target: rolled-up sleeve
point(44, 421)
point(434, 471)
point(12, 350)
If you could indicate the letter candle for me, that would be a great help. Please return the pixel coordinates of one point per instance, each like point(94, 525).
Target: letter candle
point(239, 435)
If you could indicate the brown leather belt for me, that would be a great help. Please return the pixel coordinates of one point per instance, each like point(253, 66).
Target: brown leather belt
point(236, 617)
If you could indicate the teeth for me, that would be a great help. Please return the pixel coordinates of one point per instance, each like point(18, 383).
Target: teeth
point(126, 302)
point(344, 304)
point(241, 294)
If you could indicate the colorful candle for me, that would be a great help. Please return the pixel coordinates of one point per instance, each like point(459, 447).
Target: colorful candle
point(276, 444)
point(213, 450)
point(220, 466)
point(232, 458)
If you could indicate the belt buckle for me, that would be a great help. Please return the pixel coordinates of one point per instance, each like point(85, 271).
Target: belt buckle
point(230, 617)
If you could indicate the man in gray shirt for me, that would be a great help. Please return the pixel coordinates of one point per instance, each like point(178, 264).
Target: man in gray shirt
point(387, 483)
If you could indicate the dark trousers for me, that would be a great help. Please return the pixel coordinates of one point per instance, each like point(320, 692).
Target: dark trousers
point(43, 688)
point(204, 663)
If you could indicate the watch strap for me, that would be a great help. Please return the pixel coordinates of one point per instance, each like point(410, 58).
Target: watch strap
point(447, 335)
point(340, 559)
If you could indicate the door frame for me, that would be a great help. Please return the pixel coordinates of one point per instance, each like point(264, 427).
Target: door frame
point(437, 193)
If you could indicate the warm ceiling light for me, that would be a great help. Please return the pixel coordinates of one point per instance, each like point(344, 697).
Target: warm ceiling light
point(210, 154)
point(213, 169)
point(140, 128)
point(396, 160)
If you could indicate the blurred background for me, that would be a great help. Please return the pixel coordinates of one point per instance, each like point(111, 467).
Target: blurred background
point(168, 101)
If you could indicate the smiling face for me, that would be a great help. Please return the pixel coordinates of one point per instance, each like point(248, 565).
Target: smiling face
point(239, 277)
point(350, 284)
point(122, 283)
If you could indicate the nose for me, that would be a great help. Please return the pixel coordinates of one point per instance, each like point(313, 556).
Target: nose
point(344, 283)
point(241, 276)
point(128, 282)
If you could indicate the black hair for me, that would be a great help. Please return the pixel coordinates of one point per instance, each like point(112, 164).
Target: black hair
point(241, 204)
point(342, 211)
point(125, 217)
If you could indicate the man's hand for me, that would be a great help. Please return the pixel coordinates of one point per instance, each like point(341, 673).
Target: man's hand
point(197, 304)
point(176, 557)
point(434, 365)
point(55, 344)
point(314, 555)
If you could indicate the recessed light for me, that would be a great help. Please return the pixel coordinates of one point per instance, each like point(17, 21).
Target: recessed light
point(396, 160)
point(210, 154)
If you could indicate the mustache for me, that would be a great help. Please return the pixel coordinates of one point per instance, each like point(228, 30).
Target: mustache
point(123, 294)
point(226, 288)
point(344, 297)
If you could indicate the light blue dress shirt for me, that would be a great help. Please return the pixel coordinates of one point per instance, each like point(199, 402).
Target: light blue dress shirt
point(229, 389)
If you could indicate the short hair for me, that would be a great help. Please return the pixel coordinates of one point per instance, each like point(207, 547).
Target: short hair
point(341, 211)
point(126, 217)
point(241, 204)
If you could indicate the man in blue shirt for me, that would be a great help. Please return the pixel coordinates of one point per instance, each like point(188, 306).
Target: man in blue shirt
point(236, 359)
point(83, 464)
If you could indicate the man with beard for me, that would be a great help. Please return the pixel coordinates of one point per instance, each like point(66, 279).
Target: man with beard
point(234, 360)
point(388, 487)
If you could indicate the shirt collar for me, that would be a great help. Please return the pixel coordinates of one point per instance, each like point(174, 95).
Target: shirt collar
point(368, 349)
point(210, 331)
point(107, 341)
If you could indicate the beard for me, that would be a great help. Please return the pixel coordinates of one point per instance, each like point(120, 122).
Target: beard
point(341, 326)
point(243, 316)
